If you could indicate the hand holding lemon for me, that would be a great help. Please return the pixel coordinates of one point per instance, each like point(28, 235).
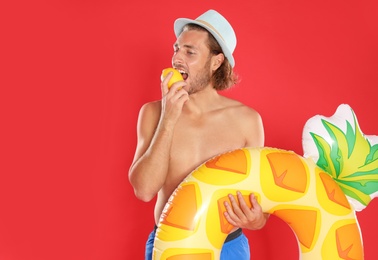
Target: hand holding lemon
point(175, 77)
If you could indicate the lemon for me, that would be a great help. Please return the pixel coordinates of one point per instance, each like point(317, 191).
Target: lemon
point(175, 77)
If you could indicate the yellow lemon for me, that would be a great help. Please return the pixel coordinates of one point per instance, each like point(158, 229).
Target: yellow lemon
point(175, 77)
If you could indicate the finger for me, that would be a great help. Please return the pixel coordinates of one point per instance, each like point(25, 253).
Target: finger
point(178, 96)
point(229, 214)
point(229, 219)
point(230, 208)
point(177, 86)
point(182, 98)
point(164, 83)
point(238, 212)
point(243, 204)
point(254, 202)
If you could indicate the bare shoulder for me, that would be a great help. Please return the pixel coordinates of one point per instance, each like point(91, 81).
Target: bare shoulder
point(247, 119)
point(148, 119)
point(151, 108)
point(149, 113)
point(235, 107)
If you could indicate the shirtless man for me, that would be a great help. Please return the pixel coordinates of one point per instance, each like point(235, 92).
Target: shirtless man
point(193, 122)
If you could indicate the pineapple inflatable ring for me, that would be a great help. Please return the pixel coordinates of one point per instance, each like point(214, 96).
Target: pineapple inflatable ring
point(317, 195)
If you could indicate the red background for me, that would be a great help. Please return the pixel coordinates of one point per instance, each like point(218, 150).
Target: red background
point(74, 75)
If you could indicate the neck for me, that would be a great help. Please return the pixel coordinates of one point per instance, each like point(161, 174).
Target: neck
point(202, 101)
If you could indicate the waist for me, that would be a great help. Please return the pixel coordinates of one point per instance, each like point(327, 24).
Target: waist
point(233, 235)
point(230, 237)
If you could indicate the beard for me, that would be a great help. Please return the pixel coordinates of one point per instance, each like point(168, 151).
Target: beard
point(201, 80)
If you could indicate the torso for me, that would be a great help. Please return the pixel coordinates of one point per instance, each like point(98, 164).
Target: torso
point(199, 137)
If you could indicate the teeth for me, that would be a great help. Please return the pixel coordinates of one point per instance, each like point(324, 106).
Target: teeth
point(183, 73)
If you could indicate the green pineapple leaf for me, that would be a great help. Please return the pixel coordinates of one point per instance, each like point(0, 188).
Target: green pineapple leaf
point(350, 159)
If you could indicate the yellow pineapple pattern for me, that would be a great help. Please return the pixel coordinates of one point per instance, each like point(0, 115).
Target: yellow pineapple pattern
point(308, 193)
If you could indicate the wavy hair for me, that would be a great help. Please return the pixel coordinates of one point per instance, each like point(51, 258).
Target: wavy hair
point(224, 77)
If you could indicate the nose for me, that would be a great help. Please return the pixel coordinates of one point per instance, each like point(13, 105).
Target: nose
point(177, 57)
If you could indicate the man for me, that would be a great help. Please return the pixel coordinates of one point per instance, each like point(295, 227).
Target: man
point(192, 123)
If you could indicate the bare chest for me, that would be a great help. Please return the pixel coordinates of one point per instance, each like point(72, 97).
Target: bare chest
point(196, 142)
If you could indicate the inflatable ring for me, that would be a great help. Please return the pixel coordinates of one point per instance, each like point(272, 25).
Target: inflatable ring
point(310, 197)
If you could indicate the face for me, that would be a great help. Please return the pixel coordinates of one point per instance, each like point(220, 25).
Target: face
point(192, 58)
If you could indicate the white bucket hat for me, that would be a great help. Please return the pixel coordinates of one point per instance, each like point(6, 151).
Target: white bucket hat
point(218, 26)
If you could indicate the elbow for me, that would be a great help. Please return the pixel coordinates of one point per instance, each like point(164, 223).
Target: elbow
point(143, 196)
point(141, 191)
point(141, 188)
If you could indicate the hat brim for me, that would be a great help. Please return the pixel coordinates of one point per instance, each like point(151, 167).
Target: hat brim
point(181, 22)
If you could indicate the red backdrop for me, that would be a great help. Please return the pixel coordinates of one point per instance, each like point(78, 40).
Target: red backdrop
point(75, 73)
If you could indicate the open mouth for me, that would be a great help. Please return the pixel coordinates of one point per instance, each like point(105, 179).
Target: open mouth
point(183, 74)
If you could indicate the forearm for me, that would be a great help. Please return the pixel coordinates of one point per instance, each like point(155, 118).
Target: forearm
point(148, 173)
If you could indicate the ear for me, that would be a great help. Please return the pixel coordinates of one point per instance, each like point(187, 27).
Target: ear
point(216, 61)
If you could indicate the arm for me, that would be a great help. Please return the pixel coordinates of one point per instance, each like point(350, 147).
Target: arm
point(155, 128)
point(239, 214)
